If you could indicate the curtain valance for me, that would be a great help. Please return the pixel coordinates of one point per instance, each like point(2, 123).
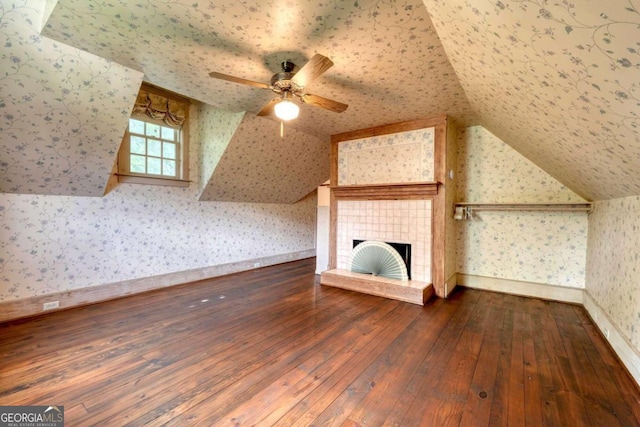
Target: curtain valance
point(172, 112)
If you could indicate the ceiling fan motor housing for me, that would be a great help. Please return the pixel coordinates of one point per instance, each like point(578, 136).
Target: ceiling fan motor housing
point(281, 82)
point(287, 66)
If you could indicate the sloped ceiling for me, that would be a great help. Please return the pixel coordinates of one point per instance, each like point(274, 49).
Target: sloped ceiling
point(260, 167)
point(389, 63)
point(62, 111)
point(558, 81)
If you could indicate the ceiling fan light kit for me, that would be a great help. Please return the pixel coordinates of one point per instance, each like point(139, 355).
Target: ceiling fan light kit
point(286, 109)
point(287, 84)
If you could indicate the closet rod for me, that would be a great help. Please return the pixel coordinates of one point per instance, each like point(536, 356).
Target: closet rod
point(549, 207)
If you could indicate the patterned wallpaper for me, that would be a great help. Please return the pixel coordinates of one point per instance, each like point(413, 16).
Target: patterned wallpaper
point(393, 158)
point(57, 243)
point(261, 167)
point(216, 129)
point(541, 247)
point(612, 263)
point(558, 81)
point(62, 111)
point(389, 63)
point(491, 171)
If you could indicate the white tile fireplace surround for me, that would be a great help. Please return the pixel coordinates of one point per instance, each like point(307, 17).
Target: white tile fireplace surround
point(401, 221)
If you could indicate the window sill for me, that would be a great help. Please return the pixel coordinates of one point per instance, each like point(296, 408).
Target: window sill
point(147, 180)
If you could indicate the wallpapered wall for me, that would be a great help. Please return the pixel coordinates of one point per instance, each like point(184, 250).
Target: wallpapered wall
point(613, 259)
point(56, 243)
point(393, 158)
point(62, 111)
point(541, 247)
point(216, 130)
point(556, 80)
point(260, 166)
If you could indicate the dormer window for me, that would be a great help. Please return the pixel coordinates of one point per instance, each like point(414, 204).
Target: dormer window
point(155, 145)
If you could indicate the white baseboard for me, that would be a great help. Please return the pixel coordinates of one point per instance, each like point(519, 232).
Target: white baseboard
point(528, 289)
point(629, 356)
point(450, 284)
point(26, 307)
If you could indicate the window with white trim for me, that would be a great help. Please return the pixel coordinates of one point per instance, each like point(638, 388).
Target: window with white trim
point(155, 145)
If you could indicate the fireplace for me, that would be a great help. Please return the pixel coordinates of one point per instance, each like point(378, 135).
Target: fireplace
point(395, 221)
point(403, 249)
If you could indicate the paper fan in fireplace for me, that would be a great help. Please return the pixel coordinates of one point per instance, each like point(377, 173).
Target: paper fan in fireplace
point(379, 259)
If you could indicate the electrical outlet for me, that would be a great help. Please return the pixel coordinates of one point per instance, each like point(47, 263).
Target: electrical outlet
point(51, 305)
point(256, 264)
point(605, 331)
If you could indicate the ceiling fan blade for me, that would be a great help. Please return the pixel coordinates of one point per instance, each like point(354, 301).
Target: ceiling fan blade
point(317, 65)
point(327, 104)
point(238, 80)
point(268, 108)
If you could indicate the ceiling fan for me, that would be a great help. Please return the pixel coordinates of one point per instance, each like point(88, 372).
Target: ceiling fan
point(288, 84)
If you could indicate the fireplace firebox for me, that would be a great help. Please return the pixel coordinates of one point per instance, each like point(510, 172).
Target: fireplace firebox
point(403, 249)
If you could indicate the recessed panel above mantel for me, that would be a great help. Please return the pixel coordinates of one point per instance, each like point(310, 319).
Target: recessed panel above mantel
point(402, 157)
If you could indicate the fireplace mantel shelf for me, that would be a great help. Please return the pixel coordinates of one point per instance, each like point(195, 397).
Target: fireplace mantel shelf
point(391, 191)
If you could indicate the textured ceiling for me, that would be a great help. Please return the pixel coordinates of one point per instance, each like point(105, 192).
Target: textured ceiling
point(258, 166)
point(389, 63)
point(62, 111)
point(557, 81)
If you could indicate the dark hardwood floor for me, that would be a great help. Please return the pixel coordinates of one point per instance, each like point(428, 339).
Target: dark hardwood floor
point(273, 347)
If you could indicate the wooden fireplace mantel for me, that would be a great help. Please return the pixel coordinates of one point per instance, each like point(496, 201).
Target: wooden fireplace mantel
point(441, 192)
point(403, 191)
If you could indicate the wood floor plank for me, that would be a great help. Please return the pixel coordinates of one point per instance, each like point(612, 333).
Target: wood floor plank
point(500, 403)
point(219, 370)
point(314, 369)
point(532, 378)
point(309, 344)
point(273, 347)
point(600, 410)
point(425, 403)
point(480, 396)
point(544, 360)
point(347, 386)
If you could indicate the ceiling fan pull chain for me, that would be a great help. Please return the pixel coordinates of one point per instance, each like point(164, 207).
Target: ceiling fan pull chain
point(281, 128)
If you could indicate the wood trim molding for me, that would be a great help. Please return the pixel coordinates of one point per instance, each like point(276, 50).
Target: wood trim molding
point(386, 191)
point(390, 128)
point(411, 191)
point(32, 306)
point(438, 223)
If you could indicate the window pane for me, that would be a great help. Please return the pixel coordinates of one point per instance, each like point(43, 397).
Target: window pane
point(154, 166)
point(169, 167)
point(169, 150)
point(153, 148)
point(153, 130)
point(137, 144)
point(168, 134)
point(136, 163)
point(136, 126)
